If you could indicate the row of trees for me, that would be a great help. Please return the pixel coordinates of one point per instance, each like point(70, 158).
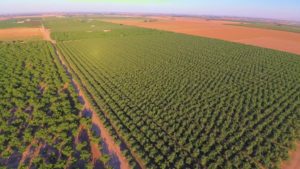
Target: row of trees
point(77, 28)
point(187, 102)
point(40, 111)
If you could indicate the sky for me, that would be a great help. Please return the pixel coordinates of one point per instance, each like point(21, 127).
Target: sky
point(276, 9)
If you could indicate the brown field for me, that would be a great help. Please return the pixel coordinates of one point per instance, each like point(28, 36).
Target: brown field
point(273, 39)
point(20, 34)
point(2, 18)
point(25, 34)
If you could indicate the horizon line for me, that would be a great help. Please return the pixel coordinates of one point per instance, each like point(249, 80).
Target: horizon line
point(150, 13)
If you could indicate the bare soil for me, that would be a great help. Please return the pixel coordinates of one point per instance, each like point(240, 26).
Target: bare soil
point(20, 34)
point(26, 33)
point(273, 39)
point(46, 33)
point(294, 162)
point(95, 151)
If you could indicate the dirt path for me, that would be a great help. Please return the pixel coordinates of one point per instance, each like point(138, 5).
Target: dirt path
point(273, 39)
point(294, 162)
point(35, 154)
point(114, 150)
point(95, 149)
point(96, 153)
point(46, 33)
point(27, 152)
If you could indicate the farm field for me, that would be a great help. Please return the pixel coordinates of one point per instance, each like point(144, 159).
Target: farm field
point(42, 122)
point(10, 34)
point(27, 30)
point(26, 90)
point(19, 22)
point(272, 26)
point(179, 101)
point(149, 84)
point(225, 30)
point(90, 143)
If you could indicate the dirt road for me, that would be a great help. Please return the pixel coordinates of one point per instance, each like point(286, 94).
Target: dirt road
point(46, 34)
point(114, 150)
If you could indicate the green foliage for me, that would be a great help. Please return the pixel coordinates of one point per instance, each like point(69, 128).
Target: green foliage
point(15, 23)
point(176, 101)
point(180, 101)
point(33, 106)
point(105, 159)
point(78, 28)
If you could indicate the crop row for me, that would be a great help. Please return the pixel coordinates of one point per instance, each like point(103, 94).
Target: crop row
point(39, 120)
point(187, 102)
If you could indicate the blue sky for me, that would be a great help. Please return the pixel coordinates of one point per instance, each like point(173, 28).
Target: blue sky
point(280, 9)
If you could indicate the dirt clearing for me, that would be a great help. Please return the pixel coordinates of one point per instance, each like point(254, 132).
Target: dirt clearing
point(273, 39)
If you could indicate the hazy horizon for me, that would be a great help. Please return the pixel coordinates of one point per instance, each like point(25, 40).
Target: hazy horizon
point(255, 9)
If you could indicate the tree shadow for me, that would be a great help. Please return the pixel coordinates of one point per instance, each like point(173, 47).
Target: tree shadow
point(114, 161)
point(98, 165)
point(81, 100)
point(86, 113)
point(13, 161)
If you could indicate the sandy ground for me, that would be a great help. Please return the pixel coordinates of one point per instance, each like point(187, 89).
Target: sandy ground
point(20, 33)
point(279, 40)
point(294, 163)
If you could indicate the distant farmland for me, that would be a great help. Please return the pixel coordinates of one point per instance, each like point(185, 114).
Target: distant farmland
point(264, 35)
point(179, 101)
